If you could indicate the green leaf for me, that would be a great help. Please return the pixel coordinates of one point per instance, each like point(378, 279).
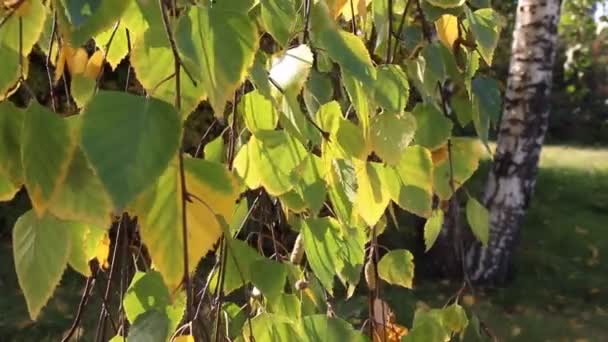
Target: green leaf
point(455, 318)
point(269, 276)
point(146, 293)
point(85, 239)
point(391, 89)
point(152, 61)
point(218, 47)
point(279, 19)
point(259, 112)
point(32, 25)
point(214, 150)
point(213, 191)
point(240, 216)
point(487, 98)
point(324, 328)
point(7, 188)
point(82, 197)
point(372, 193)
point(463, 107)
point(349, 140)
point(41, 246)
point(151, 326)
point(349, 52)
point(432, 228)
point(410, 183)
point(309, 188)
point(465, 160)
point(322, 244)
point(317, 92)
point(434, 128)
point(427, 327)
point(270, 328)
point(342, 185)
point(358, 97)
point(11, 127)
point(446, 3)
point(82, 89)
point(390, 134)
point(239, 262)
point(286, 305)
point(80, 20)
point(397, 268)
point(479, 220)
point(269, 161)
point(486, 26)
point(294, 120)
point(119, 48)
point(143, 135)
point(45, 165)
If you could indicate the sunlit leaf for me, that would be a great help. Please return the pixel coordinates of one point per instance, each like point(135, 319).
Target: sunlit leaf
point(465, 160)
point(259, 112)
point(372, 192)
point(324, 328)
point(119, 48)
point(397, 268)
point(45, 165)
point(212, 191)
point(486, 26)
point(410, 183)
point(446, 3)
point(432, 228)
point(349, 52)
point(269, 161)
point(290, 70)
point(479, 220)
point(271, 328)
point(41, 246)
point(7, 188)
point(455, 318)
point(32, 25)
point(391, 89)
point(143, 137)
point(447, 29)
point(390, 134)
point(84, 241)
point(218, 47)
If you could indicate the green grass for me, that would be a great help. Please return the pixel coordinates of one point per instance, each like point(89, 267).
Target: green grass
point(560, 292)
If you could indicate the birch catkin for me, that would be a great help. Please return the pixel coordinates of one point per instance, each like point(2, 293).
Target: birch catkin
point(298, 250)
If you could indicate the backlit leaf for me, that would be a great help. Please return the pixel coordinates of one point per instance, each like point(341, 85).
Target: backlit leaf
point(41, 246)
point(259, 112)
point(218, 47)
point(446, 3)
point(391, 89)
point(32, 27)
point(349, 52)
point(486, 26)
point(144, 136)
point(119, 48)
point(45, 165)
point(391, 134)
point(465, 160)
point(447, 29)
point(84, 241)
point(213, 191)
point(479, 220)
point(397, 268)
point(324, 328)
point(432, 227)
point(7, 188)
point(372, 193)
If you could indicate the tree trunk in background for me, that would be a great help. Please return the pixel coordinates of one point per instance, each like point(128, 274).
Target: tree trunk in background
point(520, 138)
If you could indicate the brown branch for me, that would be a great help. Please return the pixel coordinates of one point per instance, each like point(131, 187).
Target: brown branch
point(83, 302)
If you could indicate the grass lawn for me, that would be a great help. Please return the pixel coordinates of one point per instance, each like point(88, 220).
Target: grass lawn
point(560, 293)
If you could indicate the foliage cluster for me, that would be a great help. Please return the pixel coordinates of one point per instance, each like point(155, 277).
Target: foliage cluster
point(320, 118)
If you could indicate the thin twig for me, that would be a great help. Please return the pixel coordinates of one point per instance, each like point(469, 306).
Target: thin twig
point(104, 305)
point(48, 63)
point(307, 5)
point(232, 144)
point(400, 28)
point(423, 22)
point(83, 302)
point(199, 147)
point(129, 64)
point(105, 54)
point(354, 20)
point(21, 67)
point(390, 31)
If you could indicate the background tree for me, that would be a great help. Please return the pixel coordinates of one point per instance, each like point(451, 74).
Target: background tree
point(520, 137)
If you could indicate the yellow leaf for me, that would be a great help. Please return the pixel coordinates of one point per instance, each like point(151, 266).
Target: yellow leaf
point(344, 7)
point(103, 251)
point(447, 29)
point(61, 61)
point(440, 154)
point(94, 65)
point(372, 197)
point(184, 338)
point(76, 60)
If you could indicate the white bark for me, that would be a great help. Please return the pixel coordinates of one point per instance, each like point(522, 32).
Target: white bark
point(522, 131)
